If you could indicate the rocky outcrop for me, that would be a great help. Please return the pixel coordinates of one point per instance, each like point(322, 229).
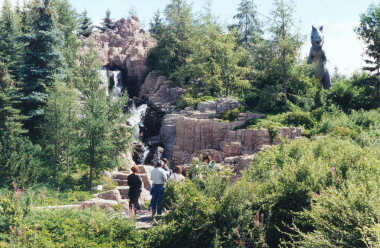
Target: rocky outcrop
point(199, 136)
point(159, 93)
point(125, 47)
point(194, 132)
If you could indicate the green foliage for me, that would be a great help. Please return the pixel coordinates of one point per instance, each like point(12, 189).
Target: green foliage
point(339, 216)
point(357, 92)
point(60, 127)
point(14, 206)
point(287, 178)
point(231, 115)
point(43, 62)
point(85, 26)
point(103, 135)
point(173, 44)
point(248, 25)
point(368, 30)
point(10, 48)
point(76, 228)
point(214, 66)
point(107, 23)
point(190, 101)
point(19, 157)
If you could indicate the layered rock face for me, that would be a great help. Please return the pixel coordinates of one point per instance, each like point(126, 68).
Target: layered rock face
point(125, 47)
point(214, 137)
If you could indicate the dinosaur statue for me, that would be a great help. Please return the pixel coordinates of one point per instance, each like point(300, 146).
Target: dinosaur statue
point(317, 56)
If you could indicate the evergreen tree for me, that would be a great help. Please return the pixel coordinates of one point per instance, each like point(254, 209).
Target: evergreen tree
point(67, 24)
point(85, 25)
point(43, 61)
point(60, 126)
point(215, 64)
point(174, 43)
point(18, 161)
point(248, 25)
point(107, 23)
point(103, 132)
point(286, 42)
point(10, 48)
point(157, 27)
point(369, 32)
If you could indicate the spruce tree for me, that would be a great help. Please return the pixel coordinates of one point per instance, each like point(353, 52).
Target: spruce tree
point(286, 40)
point(10, 48)
point(85, 27)
point(60, 126)
point(156, 27)
point(103, 133)
point(107, 23)
point(18, 162)
point(43, 62)
point(369, 31)
point(173, 46)
point(215, 64)
point(248, 25)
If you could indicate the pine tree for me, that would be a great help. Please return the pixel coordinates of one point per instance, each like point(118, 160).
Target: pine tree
point(286, 41)
point(85, 25)
point(17, 154)
point(174, 44)
point(103, 132)
point(43, 62)
point(248, 25)
point(107, 23)
point(369, 32)
point(67, 24)
point(156, 27)
point(215, 64)
point(10, 48)
point(60, 126)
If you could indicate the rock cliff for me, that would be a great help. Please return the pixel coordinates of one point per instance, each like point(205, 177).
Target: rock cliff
point(125, 47)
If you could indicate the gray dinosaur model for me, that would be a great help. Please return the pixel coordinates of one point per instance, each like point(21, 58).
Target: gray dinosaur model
point(317, 56)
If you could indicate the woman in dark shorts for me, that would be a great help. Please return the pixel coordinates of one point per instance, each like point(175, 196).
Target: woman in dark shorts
point(134, 183)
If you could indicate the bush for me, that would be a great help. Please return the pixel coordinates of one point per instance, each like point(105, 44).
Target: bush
point(339, 217)
point(231, 115)
point(77, 228)
point(287, 178)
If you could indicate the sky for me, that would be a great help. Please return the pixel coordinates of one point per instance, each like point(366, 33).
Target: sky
point(339, 18)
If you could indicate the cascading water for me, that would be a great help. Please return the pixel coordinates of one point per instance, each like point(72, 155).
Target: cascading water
point(112, 81)
point(117, 83)
point(135, 120)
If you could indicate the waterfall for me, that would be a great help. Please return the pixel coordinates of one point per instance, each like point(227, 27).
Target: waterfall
point(112, 81)
point(117, 83)
point(135, 120)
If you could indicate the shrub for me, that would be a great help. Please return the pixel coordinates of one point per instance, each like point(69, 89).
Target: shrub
point(231, 115)
point(339, 217)
point(77, 228)
point(287, 178)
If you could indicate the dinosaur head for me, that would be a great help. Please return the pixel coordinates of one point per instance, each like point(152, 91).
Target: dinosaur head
point(317, 36)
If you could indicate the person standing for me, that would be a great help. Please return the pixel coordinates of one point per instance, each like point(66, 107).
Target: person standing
point(177, 176)
point(159, 177)
point(134, 183)
point(166, 167)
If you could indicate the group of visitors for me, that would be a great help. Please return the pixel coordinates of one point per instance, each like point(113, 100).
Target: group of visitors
point(160, 175)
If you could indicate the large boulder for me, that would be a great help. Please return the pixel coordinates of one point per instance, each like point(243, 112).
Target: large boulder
point(159, 93)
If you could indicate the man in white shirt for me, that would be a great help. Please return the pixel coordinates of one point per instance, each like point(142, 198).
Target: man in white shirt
point(159, 177)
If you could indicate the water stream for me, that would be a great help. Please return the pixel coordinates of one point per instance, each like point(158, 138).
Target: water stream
point(113, 83)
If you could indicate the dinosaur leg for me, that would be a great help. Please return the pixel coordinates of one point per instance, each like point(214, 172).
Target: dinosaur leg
point(326, 81)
